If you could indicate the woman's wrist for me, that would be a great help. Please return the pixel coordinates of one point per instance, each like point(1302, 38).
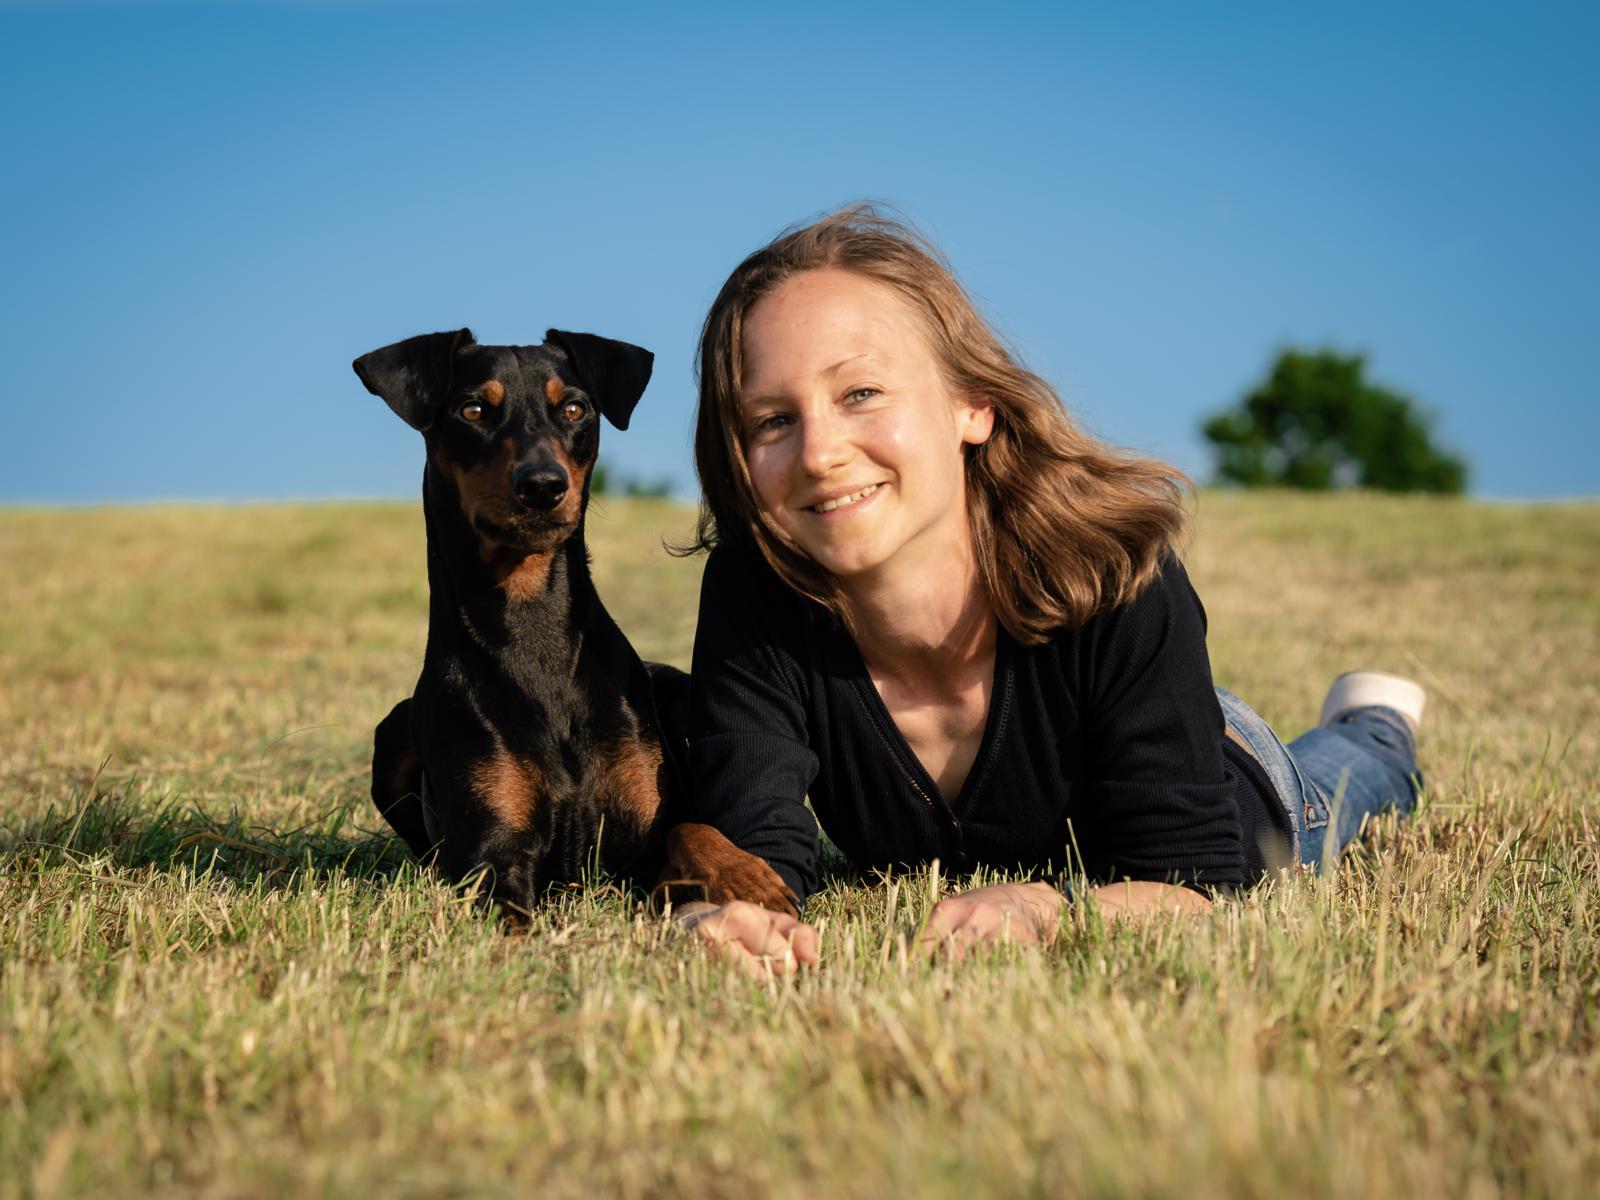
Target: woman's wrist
point(1146, 896)
point(1046, 891)
point(691, 912)
point(1046, 898)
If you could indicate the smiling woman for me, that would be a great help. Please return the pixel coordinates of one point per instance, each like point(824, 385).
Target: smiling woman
point(960, 626)
point(857, 462)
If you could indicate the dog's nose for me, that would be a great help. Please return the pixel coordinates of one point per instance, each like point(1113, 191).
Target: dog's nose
point(539, 487)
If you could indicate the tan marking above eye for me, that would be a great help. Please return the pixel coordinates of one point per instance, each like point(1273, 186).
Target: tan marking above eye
point(554, 389)
point(572, 410)
point(493, 392)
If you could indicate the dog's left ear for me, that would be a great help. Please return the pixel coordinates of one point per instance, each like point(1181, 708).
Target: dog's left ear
point(613, 373)
point(412, 377)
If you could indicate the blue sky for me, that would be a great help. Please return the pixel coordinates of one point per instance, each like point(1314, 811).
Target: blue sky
point(209, 210)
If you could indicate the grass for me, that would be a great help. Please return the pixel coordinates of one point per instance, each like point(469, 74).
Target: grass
point(219, 978)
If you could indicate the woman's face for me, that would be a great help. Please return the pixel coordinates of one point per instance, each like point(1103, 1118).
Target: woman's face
point(853, 438)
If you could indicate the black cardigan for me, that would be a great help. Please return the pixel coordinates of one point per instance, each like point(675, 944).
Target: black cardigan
point(1105, 742)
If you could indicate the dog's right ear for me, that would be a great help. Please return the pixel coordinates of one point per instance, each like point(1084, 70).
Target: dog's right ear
point(413, 376)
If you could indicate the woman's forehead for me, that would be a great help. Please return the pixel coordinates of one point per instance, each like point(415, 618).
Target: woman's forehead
point(833, 290)
point(817, 321)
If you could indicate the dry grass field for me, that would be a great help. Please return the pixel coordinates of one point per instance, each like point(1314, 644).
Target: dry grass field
point(219, 978)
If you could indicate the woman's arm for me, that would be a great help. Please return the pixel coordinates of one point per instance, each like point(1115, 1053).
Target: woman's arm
point(749, 743)
point(1165, 809)
point(751, 759)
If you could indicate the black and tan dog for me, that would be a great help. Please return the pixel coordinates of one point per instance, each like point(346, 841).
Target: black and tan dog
point(536, 744)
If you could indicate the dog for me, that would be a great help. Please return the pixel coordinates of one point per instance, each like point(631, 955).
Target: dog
point(537, 744)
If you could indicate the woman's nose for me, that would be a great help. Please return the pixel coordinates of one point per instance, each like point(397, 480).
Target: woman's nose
point(823, 444)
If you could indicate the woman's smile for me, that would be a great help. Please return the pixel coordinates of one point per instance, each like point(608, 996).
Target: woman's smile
point(849, 501)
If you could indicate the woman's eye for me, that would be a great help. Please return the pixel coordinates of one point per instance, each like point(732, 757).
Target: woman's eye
point(861, 394)
point(472, 411)
point(573, 410)
point(770, 422)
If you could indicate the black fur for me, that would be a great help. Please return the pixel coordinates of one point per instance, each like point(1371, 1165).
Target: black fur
point(536, 744)
point(528, 689)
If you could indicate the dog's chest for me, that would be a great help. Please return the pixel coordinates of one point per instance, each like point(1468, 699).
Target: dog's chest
point(570, 793)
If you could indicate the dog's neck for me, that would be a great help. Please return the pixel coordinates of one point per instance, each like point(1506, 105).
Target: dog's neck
point(518, 607)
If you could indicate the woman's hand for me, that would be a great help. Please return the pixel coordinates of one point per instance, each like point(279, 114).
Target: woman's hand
point(1028, 913)
point(758, 941)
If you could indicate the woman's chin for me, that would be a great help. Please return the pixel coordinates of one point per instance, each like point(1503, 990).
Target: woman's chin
point(843, 562)
point(868, 554)
point(839, 568)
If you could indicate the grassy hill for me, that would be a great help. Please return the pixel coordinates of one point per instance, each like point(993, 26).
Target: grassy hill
point(219, 978)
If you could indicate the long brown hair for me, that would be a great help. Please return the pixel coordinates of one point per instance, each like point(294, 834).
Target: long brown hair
point(1062, 524)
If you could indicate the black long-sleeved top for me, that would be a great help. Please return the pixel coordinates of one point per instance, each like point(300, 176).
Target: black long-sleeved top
point(1105, 741)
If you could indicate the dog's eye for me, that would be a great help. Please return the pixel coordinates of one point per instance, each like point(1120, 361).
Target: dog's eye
point(573, 410)
point(472, 411)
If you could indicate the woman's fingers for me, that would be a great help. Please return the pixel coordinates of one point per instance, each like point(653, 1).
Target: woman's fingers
point(952, 942)
point(773, 937)
point(955, 924)
point(759, 941)
point(802, 938)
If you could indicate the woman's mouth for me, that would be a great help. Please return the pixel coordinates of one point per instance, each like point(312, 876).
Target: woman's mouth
point(828, 506)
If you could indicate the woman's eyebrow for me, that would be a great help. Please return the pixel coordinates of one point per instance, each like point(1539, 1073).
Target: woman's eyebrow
point(845, 362)
point(762, 397)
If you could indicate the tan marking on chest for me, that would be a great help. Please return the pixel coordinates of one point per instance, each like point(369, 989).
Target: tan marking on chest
point(493, 393)
point(523, 579)
point(554, 390)
point(508, 787)
point(630, 779)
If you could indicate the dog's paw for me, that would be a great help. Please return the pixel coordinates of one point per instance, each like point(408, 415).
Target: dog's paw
point(702, 864)
point(753, 880)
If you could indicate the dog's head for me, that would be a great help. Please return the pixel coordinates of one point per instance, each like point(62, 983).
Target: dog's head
point(512, 431)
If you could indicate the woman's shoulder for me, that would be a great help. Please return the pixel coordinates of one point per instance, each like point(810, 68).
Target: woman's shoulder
point(740, 590)
point(740, 572)
point(752, 624)
point(1155, 638)
point(1168, 588)
point(1166, 599)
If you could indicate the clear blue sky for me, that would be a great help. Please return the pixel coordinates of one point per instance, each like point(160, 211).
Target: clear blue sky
point(209, 209)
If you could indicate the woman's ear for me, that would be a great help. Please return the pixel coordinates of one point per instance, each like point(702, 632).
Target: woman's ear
point(976, 419)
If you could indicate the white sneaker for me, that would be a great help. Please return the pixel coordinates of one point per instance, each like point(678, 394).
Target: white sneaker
point(1357, 689)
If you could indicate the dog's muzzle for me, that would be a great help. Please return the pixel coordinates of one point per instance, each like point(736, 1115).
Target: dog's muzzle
point(540, 487)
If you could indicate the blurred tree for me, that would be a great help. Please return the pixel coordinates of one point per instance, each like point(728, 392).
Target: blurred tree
point(658, 489)
point(601, 483)
point(1317, 423)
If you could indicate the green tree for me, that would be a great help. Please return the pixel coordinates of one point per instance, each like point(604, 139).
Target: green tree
point(1315, 422)
point(603, 483)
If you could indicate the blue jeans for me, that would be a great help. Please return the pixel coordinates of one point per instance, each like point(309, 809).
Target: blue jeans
point(1332, 778)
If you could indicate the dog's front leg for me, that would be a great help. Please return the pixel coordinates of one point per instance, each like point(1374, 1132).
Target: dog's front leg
point(397, 781)
point(702, 864)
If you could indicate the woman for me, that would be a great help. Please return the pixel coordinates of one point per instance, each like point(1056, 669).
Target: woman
point(958, 623)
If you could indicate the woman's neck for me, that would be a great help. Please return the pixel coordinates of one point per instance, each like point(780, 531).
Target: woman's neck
point(923, 620)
